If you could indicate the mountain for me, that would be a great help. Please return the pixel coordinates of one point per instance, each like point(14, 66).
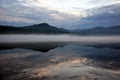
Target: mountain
point(47, 29)
point(113, 30)
point(33, 29)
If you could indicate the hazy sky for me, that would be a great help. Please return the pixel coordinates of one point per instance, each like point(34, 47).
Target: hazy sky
point(70, 14)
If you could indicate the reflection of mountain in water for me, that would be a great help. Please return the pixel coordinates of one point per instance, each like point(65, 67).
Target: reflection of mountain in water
point(43, 47)
point(112, 46)
point(46, 46)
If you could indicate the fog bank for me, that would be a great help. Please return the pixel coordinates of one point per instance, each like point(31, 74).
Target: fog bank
point(58, 38)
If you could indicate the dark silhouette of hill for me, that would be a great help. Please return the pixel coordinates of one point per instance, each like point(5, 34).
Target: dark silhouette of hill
point(33, 29)
point(47, 29)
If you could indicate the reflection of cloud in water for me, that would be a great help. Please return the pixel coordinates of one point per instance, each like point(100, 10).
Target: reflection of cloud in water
point(67, 63)
point(82, 73)
point(15, 53)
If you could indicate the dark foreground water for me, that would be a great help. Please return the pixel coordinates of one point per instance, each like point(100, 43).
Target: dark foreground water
point(94, 58)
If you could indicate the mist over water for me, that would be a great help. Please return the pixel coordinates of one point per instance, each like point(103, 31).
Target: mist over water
point(58, 38)
point(59, 57)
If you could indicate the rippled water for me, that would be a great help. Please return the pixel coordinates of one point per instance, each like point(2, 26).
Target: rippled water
point(78, 58)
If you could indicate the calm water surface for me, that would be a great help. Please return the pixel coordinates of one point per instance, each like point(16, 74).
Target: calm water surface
point(59, 57)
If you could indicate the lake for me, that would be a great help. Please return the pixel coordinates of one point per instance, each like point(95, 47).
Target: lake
point(59, 57)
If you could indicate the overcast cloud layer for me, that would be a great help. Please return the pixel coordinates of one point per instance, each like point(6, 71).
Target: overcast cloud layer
point(70, 14)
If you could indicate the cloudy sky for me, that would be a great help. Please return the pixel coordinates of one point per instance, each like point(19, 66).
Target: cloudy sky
point(70, 14)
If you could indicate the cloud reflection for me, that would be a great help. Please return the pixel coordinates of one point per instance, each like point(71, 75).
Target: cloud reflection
point(65, 63)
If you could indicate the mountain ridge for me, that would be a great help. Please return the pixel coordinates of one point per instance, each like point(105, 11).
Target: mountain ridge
point(98, 30)
point(45, 28)
point(32, 29)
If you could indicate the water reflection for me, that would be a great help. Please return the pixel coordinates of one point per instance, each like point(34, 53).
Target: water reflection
point(46, 46)
point(42, 46)
point(63, 57)
point(71, 62)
